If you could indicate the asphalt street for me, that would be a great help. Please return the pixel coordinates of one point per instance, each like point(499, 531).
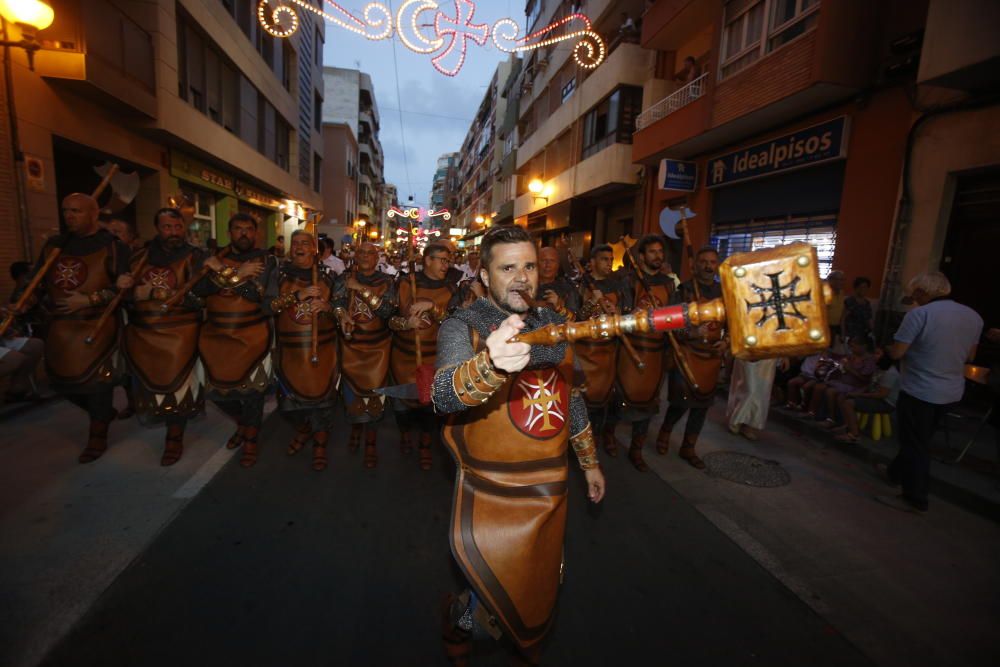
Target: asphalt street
point(280, 565)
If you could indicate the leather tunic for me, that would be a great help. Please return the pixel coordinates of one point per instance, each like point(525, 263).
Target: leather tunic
point(236, 336)
point(704, 362)
point(509, 511)
point(298, 376)
point(403, 360)
point(69, 360)
point(364, 358)
point(642, 388)
point(598, 358)
point(162, 348)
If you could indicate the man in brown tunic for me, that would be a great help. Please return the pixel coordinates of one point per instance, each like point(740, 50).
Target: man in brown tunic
point(75, 291)
point(512, 410)
point(307, 385)
point(604, 294)
point(161, 339)
point(640, 390)
point(420, 316)
point(700, 349)
point(235, 341)
point(369, 301)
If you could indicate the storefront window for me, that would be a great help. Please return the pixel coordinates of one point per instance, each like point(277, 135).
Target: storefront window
point(820, 231)
point(202, 227)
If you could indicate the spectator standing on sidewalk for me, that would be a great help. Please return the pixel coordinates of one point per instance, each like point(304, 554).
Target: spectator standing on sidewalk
point(835, 309)
point(858, 317)
point(934, 342)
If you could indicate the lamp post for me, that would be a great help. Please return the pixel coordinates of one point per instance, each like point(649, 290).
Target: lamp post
point(29, 16)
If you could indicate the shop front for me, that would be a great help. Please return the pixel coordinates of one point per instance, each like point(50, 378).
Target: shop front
point(216, 195)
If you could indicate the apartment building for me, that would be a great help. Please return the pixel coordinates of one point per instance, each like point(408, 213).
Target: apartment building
point(792, 125)
point(350, 100)
point(340, 181)
point(575, 175)
point(444, 190)
point(481, 158)
point(188, 97)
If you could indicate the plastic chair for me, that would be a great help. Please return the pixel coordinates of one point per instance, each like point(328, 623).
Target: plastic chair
point(881, 424)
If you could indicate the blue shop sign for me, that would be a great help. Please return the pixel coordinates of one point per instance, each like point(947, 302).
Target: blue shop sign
point(678, 175)
point(804, 148)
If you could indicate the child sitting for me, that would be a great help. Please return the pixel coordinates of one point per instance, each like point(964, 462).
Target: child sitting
point(879, 398)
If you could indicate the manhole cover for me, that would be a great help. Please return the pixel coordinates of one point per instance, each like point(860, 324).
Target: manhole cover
point(746, 469)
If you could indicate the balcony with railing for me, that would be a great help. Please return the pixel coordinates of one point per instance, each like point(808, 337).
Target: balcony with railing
point(678, 99)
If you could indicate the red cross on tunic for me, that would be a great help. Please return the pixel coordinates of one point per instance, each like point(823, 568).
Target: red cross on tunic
point(456, 32)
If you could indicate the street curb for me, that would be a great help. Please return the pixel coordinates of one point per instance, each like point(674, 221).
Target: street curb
point(945, 489)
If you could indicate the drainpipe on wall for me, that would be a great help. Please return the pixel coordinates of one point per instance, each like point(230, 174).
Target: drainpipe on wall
point(15, 141)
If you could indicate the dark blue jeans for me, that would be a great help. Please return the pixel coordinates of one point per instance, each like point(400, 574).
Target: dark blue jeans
point(912, 466)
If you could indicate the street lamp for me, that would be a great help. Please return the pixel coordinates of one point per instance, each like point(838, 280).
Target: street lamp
point(30, 16)
point(480, 219)
point(538, 190)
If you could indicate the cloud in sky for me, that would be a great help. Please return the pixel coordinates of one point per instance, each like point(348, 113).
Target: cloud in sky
point(436, 109)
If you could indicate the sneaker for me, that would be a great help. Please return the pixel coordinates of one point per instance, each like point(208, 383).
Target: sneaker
point(902, 504)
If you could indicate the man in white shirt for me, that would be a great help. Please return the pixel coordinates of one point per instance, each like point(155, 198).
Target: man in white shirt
point(331, 260)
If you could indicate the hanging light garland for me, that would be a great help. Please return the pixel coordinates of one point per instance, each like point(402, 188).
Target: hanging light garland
point(451, 34)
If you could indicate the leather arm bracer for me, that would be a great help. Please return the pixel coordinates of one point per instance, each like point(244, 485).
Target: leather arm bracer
point(586, 449)
point(475, 380)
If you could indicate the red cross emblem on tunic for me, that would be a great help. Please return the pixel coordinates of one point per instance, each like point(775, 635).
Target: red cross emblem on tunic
point(456, 33)
point(302, 313)
point(159, 277)
point(69, 273)
point(360, 311)
point(539, 402)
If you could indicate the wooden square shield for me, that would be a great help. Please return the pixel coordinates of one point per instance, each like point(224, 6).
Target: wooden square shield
point(775, 302)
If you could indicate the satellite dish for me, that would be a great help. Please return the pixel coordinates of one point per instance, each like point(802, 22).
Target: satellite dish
point(669, 218)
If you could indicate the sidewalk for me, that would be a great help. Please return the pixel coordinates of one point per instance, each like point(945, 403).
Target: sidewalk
point(906, 589)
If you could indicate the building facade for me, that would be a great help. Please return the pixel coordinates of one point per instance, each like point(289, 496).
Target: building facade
point(444, 191)
point(575, 175)
point(340, 181)
point(189, 98)
point(350, 100)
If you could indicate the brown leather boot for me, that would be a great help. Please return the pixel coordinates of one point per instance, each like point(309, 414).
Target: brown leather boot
point(319, 450)
point(610, 441)
point(249, 458)
point(688, 454)
point(236, 439)
point(425, 451)
point(354, 441)
point(303, 434)
point(97, 442)
point(405, 442)
point(635, 453)
point(173, 448)
point(371, 456)
point(457, 642)
point(663, 440)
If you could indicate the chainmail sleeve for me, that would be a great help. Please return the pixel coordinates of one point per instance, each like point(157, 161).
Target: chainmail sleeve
point(579, 418)
point(454, 347)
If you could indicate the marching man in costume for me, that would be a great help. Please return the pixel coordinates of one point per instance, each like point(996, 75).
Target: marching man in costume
point(512, 410)
point(699, 350)
point(235, 341)
point(640, 389)
point(161, 339)
point(77, 286)
point(301, 293)
point(556, 291)
point(425, 299)
point(604, 294)
point(369, 302)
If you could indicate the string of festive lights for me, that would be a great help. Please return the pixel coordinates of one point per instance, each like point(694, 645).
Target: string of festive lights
point(452, 34)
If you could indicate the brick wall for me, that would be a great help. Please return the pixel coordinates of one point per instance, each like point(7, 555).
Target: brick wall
point(10, 235)
point(777, 75)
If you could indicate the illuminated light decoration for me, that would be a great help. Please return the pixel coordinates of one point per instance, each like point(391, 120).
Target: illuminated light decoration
point(376, 24)
point(440, 213)
point(451, 34)
point(589, 51)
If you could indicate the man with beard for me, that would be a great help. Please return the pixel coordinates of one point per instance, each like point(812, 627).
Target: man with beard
point(701, 350)
point(420, 315)
point(307, 386)
point(76, 290)
point(640, 390)
point(512, 410)
point(369, 301)
point(235, 341)
point(161, 339)
point(555, 290)
point(605, 294)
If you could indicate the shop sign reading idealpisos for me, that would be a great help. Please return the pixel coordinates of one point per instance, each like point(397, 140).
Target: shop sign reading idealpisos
point(803, 148)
